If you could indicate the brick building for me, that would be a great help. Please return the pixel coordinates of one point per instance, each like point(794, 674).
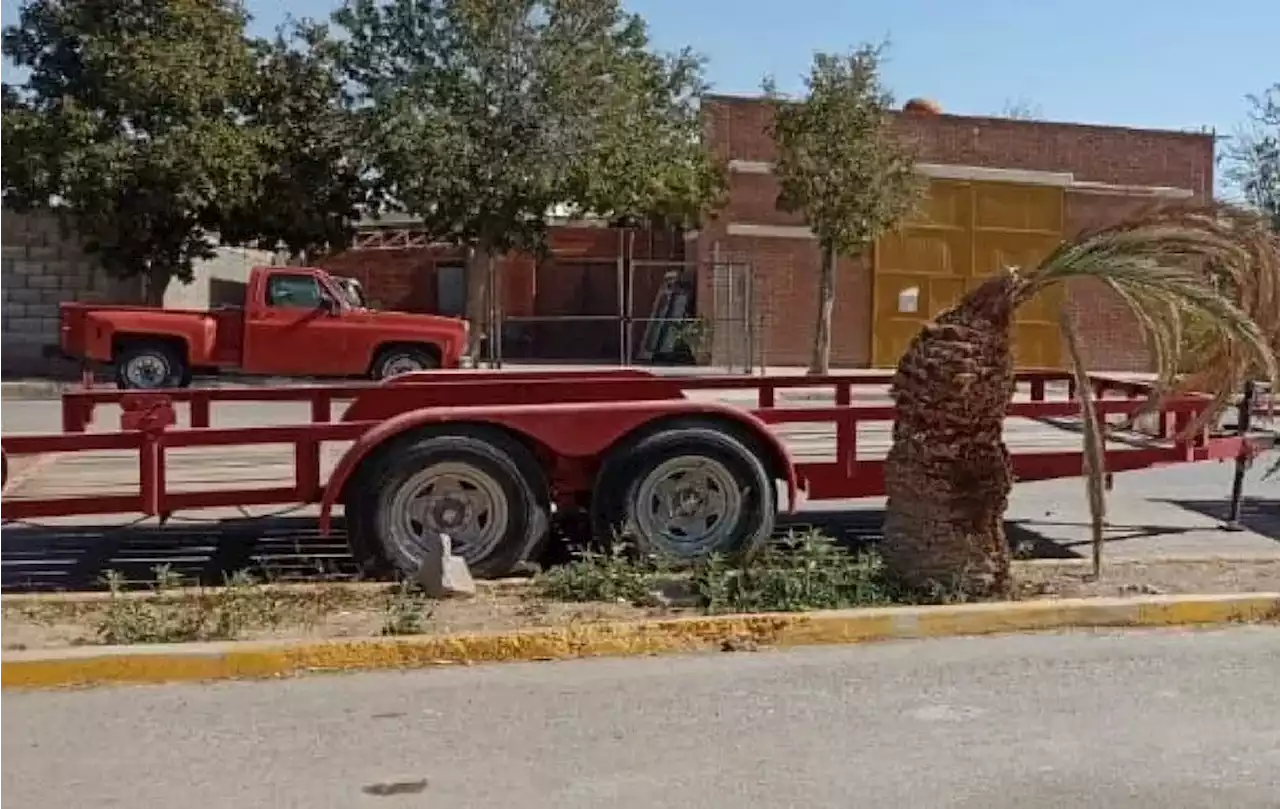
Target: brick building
point(1001, 192)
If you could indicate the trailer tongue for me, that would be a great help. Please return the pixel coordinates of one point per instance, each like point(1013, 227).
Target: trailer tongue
point(687, 466)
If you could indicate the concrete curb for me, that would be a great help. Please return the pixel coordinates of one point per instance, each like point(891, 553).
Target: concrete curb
point(87, 666)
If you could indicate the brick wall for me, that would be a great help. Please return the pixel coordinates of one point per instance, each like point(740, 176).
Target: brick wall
point(578, 278)
point(787, 267)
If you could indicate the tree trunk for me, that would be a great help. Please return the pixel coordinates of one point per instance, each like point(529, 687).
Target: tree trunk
point(821, 360)
point(479, 260)
point(154, 284)
point(948, 473)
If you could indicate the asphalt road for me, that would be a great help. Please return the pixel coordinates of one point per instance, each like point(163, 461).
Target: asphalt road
point(1161, 720)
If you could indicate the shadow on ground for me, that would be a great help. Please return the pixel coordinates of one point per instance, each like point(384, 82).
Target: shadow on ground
point(1260, 515)
point(39, 558)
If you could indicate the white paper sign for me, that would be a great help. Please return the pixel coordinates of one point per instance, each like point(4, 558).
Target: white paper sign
point(909, 300)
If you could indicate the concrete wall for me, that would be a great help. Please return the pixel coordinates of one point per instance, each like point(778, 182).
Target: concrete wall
point(220, 281)
point(44, 265)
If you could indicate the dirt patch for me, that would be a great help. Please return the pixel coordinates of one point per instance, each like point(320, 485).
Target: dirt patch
point(318, 612)
point(345, 611)
point(1128, 578)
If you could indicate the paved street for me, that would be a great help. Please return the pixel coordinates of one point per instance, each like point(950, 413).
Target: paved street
point(1161, 720)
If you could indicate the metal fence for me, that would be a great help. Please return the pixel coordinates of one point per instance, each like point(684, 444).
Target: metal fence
point(637, 312)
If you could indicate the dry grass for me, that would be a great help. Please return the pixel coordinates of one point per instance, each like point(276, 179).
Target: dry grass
point(247, 611)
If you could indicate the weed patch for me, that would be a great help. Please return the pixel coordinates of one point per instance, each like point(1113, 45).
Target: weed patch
point(171, 614)
point(407, 611)
point(800, 572)
point(613, 576)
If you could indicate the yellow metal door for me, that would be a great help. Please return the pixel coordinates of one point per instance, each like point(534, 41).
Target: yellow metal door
point(1018, 226)
point(921, 269)
point(965, 232)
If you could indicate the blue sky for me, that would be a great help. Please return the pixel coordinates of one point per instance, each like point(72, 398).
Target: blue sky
point(1179, 64)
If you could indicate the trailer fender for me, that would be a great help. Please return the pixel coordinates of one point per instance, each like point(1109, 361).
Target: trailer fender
point(624, 419)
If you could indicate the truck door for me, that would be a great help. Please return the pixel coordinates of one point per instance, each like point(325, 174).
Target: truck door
point(291, 332)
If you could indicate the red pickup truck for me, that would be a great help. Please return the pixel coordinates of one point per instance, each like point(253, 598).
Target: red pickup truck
point(295, 321)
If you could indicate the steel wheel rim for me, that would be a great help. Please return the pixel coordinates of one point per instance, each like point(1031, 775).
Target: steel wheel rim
point(147, 371)
point(449, 497)
point(402, 364)
point(688, 506)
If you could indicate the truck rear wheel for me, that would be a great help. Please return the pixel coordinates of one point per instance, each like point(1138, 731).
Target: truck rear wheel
point(150, 366)
point(685, 494)
point(398, 360)
point(479, 486)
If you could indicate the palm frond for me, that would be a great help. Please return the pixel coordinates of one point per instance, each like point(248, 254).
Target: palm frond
point(1212, 271)
point(1095, 454)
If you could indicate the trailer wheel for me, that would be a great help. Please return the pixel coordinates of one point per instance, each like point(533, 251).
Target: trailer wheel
point(150, 366)
point(397, 360)
point(480, 487)
point(685, 494)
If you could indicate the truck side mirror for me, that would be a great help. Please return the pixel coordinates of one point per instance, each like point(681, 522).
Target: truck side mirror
point(329, 305)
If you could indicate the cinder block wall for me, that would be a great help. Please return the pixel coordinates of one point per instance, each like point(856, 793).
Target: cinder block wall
point(44, 265)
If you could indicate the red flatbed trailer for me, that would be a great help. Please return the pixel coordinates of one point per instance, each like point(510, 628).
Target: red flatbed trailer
point(490, 457)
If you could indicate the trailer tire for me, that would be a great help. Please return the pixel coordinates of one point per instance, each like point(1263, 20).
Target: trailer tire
point(478, 485)
point(396, 360)
point(152, 361)
point(719, 497)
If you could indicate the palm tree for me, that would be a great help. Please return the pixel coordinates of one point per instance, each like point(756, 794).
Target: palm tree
point(948, 473)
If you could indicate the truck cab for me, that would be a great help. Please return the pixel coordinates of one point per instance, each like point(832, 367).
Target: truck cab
point(298, 319)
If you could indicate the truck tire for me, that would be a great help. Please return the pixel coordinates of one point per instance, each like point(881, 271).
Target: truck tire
point(150, 366)
point(478, 485)
point(685, 494)
point(398, 360)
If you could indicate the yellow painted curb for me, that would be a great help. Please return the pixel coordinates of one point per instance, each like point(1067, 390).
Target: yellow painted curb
point(85, 666)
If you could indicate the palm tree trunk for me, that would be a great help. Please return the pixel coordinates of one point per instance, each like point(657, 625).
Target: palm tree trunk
point(820, 363)
point(948, 473)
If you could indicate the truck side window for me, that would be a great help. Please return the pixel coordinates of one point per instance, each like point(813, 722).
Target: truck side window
point(293, 291)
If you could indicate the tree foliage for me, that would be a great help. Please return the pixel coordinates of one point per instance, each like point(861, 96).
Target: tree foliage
point(1254, 157)
point(841, 164)
point(487, 115)
point(317, 180)
point(129, 121)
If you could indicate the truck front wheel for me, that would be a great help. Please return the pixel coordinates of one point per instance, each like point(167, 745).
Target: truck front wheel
point(150, 366)
point(396, 360)
point(481, 488)
point(685, 494)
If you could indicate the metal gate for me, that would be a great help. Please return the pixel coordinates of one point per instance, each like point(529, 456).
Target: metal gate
point(638, 312)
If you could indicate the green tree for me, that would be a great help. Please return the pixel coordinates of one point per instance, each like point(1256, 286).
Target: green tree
point(128, 122)
point(841, 164)
point(317, 178)
point(1254, 156)
point(487, 115)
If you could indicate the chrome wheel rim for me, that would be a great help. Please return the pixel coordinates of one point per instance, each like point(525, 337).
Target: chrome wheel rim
point(451, 498)
point(147, 371)
point(688, 506)
point(402, 364)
